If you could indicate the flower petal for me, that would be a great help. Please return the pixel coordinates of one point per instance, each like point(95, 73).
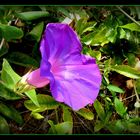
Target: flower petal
point(36, 80)
point(88, 59)
point(77, 85)
point(60, 45)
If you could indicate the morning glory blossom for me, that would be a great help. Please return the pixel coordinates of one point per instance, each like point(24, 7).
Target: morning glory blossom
point(74, 78)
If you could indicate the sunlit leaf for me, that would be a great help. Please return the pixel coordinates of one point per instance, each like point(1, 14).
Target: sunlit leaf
point(126, 71)
point(10, 78)
point(111, 34)
point(96, 54)
point(4, 127)
point(32, 95)
point(46, 102)
point(99, 38)
point(87, 39)
point(86, 113)
point(125, 34)
point(8, 75)
point(83, 26)
point(37, 116)
point(115, 88)
point(89, 26)
point(132, 27)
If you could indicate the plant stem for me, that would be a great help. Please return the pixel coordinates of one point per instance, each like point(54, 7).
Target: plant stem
point(137, 96)
point(3, 40)
point(57, 118)
point(128, 15)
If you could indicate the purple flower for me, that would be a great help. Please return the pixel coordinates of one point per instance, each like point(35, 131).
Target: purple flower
point(74, 78)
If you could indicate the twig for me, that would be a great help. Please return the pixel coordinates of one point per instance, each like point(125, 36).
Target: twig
point(129, 97)
point(128, 15)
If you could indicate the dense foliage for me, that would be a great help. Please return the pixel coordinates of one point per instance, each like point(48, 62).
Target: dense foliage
point(111, 34)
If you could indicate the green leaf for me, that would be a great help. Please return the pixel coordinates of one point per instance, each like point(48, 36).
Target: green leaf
point(7, 93)
point(11, 113)
point(10, 32)
point(100, 110)
point(32, 95)
point(123, 126)
point(64, 11)
point(98, 126)
point(131, 59)
point(132, 127)
point(122, 33)
point(67, 114)
point(37, 116)
point(64, 128)
point(126, 71)
point(4, 127)
point(116, 127)
point(83, 26)
point(80, 25)
point(108, 116)
point(100, 37)
point(46, 102)
point(86, 113)
point(22, 59)
point(52, 130)
point(61, 128)
point(95, 54)
point(89, 27)
point(132, 27)
point(125, 34)
point(115, 88)
point(97, 37)
point(37, 31)
point(120, 108)
point(111, 34)
point(28, 16)
point(134, 120)
point(9, 77)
